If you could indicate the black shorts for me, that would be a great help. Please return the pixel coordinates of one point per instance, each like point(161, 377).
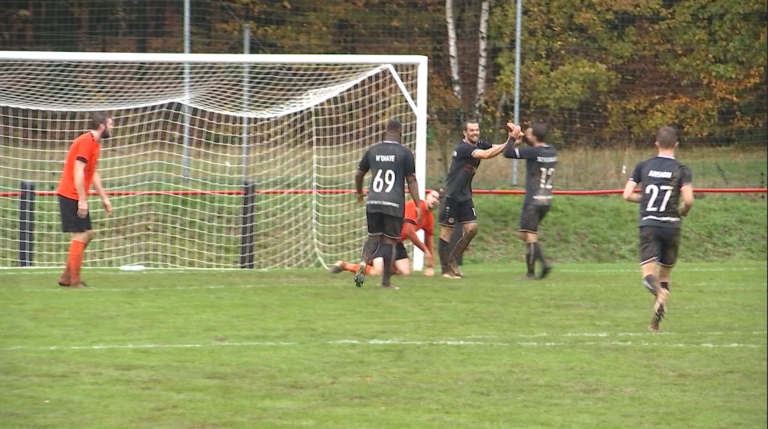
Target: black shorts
point(386, 225)
point(452, 211)
point(659, 244)
point(400, 252)
point(70, 222)
point(531, 216)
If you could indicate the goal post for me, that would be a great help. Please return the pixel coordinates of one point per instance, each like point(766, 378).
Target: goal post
point(195, 134)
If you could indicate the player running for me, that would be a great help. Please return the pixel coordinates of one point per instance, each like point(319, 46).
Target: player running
point(541, 160)
point(458, 206)
point(391, 165)
point(410, 227)
point(663, 181)
point(79, 173)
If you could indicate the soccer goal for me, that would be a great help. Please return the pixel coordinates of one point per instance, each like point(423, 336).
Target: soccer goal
point(217, 161)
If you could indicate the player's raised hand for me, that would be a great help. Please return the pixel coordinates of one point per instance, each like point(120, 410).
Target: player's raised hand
point(107, 206)
point(514, 130)
point(82, 209)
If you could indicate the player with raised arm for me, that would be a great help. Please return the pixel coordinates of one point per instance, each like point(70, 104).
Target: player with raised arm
point(663, 181)
point(391, 165)
point(79, 173)
point(411, 225)
point(457, 207)
point(541, 161)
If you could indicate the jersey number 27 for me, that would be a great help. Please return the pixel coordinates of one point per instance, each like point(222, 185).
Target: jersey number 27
point(654, 191)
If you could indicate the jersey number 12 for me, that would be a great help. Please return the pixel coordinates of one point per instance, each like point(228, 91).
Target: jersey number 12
point(389, 179)
point(547, 175)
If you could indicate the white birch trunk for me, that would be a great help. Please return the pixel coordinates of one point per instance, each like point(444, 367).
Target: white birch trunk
point(453, 52)
point(482, 56)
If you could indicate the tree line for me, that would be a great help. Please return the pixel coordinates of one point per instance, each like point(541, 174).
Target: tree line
point(600, 72)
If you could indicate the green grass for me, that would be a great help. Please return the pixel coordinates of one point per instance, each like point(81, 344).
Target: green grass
point(604, 229)
point(484, 352)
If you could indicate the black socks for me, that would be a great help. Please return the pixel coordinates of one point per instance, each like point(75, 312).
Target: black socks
point(444, 248)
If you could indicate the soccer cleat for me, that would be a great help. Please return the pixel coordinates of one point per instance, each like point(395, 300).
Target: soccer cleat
point(337, 268)
point(545, 270)
point(80, 285)
point(453, 268)
point(360, 274)
point(64, 283)
point(654, 326)
point(527, 277)
point(390, 287)
point(450, 275)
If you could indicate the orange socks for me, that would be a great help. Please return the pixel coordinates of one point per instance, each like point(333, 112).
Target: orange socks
point(352, 268)
point(75, 261)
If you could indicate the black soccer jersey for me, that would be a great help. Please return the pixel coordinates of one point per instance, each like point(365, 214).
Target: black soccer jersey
point(661, 178)
point(541, 162)
point(458, 184)
point(390, 163)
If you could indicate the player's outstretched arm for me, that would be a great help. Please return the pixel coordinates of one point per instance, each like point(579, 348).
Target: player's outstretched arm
point(493, 152)
point(687, 192)
point(100, 190)
point(629, 192)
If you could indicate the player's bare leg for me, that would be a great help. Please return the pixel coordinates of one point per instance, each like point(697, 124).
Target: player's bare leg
point(469, 233)
point(444, 248)
point(388, 249)
point(651, 282)
point(369, 249)
point(665, 275)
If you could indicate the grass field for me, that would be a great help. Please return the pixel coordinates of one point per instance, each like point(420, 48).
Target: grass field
point(289, 349)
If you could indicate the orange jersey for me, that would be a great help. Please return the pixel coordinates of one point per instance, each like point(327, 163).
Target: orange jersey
point(85, 148)
point(427, 222)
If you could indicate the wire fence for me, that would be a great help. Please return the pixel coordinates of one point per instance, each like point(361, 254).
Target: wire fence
point(604, 76)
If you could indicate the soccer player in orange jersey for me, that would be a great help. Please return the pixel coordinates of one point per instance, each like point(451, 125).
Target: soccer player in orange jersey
point(79, 174)
point(410, 228)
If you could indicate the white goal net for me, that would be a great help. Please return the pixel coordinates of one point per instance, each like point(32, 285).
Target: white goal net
point(216, 161)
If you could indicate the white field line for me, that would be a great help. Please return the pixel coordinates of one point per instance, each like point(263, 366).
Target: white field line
point(393, 342)
point(47, 271)
point(270, 285)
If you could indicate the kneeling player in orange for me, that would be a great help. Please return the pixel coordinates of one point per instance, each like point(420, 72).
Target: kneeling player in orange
point(410, 227)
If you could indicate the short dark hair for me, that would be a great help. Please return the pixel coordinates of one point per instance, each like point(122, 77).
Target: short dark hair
point(667, 137)
point(394, 125)
point(98, 119)
point(540, 131)
point(470, 121)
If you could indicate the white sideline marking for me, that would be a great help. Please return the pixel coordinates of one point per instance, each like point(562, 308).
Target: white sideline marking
point(13, 271)
point(251, 286)
point(396, 342)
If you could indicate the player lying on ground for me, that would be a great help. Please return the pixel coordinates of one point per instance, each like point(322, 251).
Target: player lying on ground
point(457, 206)
point(79, 174)
point(664, 181)
point(391, 165)
point(410, 227)
point(541, 160)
